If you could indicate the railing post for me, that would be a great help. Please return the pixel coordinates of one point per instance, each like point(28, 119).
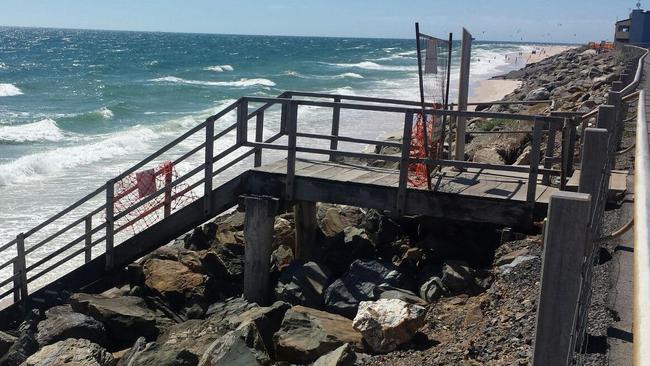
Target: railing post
point(242, 122)
point(284, 115)
point(259, 137)
point(209, 160)
point(167, 208)
point(548, 154)
point(593, 166)
point(110, 224)
point(292, 125)
point(404, 164)
point(564, 252)
point(534, 162)
point(614, 98)
point(336, 116)
point(607, 120)
point(89, 238)
point(20, 274)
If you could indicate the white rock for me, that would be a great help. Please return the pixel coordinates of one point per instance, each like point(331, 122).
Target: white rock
point(386, 324)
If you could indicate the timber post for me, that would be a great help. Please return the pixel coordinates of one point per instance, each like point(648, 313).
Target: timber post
point(463, 92)
point(336, 118)
point(88, 242)
point(259, 137)
point(531, 194)
point(548, 154)
point(258, 236)
point(20, 272)
point(562, 262)
point(110, 224)
point(305, 217)
point(208, 161)
point(594, 161)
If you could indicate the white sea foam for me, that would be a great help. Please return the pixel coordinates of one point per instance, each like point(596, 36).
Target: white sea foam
point(44, 130)
point(3, 66)
point(9, 90)
point(239, 83)
point(351, 75)
point(219, 68)
point(369, 65)
point(43, 164)
point(106, 113)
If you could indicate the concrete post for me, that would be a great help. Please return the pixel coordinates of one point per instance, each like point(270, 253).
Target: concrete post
point(258, 235)
point(463, 92)
point(594, 162)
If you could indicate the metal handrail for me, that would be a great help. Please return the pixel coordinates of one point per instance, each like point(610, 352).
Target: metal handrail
point(641, 320)
point(639, 70)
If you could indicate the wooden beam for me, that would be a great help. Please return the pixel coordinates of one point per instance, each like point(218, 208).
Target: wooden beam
point(463, 93)
point(564, 252)
point(306, 224)
point(258, 236)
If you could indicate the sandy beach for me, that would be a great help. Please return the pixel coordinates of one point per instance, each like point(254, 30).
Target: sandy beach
point(491, 90)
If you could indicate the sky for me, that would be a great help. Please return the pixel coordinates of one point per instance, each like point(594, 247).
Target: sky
point(566, 21)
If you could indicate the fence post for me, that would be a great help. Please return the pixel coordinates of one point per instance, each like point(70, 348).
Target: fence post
point(259, 137)
point(607, 120)
point(615, 98)
point(20, 274)
point(208, 161)
point(167, 169)
point(548, 154)
point(336, 116)
point(242, 122)
point(258, 238)
point(89, 238)
point(292, 125)
point(593, 165)
point(404, 164)
point(110, 225)
point(463, 89)
point(564, 253)
point(534, 162)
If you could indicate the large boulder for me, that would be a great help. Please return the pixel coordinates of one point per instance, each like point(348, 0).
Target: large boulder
point(432, 289)
point(173, 280)
point(303, 284)
point(240, 347)
point(333, 219)
point(457, 276)
point(306, 334)
point(229, 307)
point(361, 283)
point(62, 322)
point(24, 346)
point(126, 318)
point(71, 352)
point(151, 354)
point(538, 94)
point(342, 356)
point(388, 323)
point(6, 340)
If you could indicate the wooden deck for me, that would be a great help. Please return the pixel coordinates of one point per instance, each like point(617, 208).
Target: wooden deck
point(483, 183)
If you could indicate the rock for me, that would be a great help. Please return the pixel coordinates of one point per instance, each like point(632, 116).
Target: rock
point(456, 276)
point(432, 289)
point(538, 94)
point(23, 347)
point(230, 262)
point(240, 347)
point(342, 356)
point(332, 219)
point(281, 257)
point(62, 323)
point(510, 257)
point(388, 323)
point(125, 318)
point(71, 352)
point(357, 242)
point(6, 340)
point(232, 222)
point(307, 334)
point(401, 294)
point(229, 307)
point(506, 268)
point(303, 284)
point(150, 354)
point(171, 279)
point(488, 155)
point(198, 240)
point(360, 283)
point(283, 233)
point(194, 336)
point(524, 157)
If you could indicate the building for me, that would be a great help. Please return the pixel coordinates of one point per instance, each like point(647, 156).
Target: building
point(634, 30)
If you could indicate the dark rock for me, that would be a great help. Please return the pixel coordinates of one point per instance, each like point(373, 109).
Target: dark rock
point(229, 307)
point(342, 356)
point(6, 340)
point(240, 347)
point(198, 240)
point(150, 354)
point(24, 346)
point(457, 276)
point(538, 94)
point(358, 243)
point(360, 284)
point(432, 289)
point(125, 318)
point(303, 284)
point(306, 334)
point(71, 352)
point(281, 257)
point(400, 294)
point(62, 323)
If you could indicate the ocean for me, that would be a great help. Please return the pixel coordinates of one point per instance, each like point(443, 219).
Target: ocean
point(77, 107)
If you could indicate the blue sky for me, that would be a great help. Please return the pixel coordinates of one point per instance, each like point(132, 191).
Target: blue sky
point(508, 20)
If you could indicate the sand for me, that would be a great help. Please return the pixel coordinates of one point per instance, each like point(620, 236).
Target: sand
point(493, 90)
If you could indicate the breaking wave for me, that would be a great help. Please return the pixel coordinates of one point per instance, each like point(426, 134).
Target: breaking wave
point(219, 68)
point(239, 83)
point(351, 75)
point(369, 65)
point(44, 130)
point(9, 90)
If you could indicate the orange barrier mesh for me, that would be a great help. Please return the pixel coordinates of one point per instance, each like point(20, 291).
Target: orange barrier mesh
point(419, 173)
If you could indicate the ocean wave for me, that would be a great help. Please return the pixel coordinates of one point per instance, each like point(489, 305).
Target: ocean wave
point(9, 90)
point(106, 113)
point(351, 75)
point(369, 65)
point(219, 68)
point(44, 130)
point(239, 83)
point(3, 66)
point(42, 164)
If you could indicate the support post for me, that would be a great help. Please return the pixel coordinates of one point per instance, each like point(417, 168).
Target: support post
point(593, 166)
point(89, 238)
point(209, 161)
point(20, 274)
point(463, 92)
point(259, 137)
point(404, 164)
point(110, 225)
point(292, 125)
point(548, 153)
point(336, 117)
point(167, 169)
point(564, 252)
point(242, 122)
point(606, 119)
point(258, 236)
point(534, 162)
point(306, 224)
